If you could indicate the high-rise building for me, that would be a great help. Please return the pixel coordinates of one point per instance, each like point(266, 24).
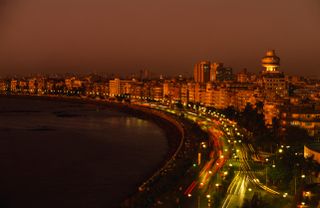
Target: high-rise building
point(201, 72)
point(213, 72)
point(224, 74)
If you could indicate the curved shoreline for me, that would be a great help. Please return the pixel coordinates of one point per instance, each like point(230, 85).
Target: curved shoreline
point(167, 123)
point(178, 126)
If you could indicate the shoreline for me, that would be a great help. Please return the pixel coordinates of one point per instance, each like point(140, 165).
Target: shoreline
point(173, 130)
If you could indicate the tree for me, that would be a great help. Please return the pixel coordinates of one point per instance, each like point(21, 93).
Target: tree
point(230, 112)
point(252, 120)
point(296, 136)
point(259, 107)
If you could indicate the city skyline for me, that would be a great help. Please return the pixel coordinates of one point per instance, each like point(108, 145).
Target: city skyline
point(165, 103)
point(163, 37)
point(228, 127)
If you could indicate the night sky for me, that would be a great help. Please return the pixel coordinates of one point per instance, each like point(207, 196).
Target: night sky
point(165, 36)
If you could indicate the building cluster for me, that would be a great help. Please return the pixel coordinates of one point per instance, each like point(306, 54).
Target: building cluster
point(292, 100)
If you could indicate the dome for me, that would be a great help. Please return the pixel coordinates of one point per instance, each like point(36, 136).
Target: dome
point(270, 59)
point(270, 53)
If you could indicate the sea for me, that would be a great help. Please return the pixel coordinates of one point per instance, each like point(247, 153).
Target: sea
point(57, 153)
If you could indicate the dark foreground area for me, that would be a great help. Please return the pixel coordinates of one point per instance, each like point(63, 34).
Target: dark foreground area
point(71, 154)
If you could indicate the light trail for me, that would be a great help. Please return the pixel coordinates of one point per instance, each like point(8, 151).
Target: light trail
point(236, 191)
point(246, 167)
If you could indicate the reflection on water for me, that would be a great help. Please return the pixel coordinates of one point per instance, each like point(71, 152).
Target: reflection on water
point(58, 154)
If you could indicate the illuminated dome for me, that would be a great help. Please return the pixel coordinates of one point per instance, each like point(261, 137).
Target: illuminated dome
point(270, 61)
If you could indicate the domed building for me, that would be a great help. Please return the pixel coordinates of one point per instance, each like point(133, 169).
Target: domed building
point(271, 62)
point(274, 85)
point(273, 80)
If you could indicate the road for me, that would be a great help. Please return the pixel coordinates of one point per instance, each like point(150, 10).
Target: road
point(226, 148)
point(236, 191)
point(245, 181)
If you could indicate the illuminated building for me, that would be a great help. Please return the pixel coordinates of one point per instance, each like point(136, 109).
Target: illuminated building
point(221, 98)
point(13, 85)
point(241, 98)
point(125, 86)
point(172, 91)
point(224, 74)
point(176, 93)
point(72, 83)
point(41, 85)
point(271, 62)
point(50, 85)
point(166, 88)
point(100, 89)
point(114, 87)
point(213, 72)
point(273, 80)
point(200, 90)
point(307, 92)
point(184, 93)
point(197, 92)
point(76, 83)
point(274, 86)
point(3, 86)
point(209, 94)
point(306, 116)
point(68, 83)
point(136, 90)
point(23, 86)
point(206, 71)
point(191, 91)
point(312, 150)
point(157, 92)
point(271, 110)
point(201, 72)
point(32, 86)
point(243, 76)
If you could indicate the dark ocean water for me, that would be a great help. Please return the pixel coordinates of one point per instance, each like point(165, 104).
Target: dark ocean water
point(63, 154)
